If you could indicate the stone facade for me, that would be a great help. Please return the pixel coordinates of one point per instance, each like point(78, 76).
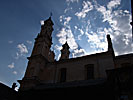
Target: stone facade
point(124, 61)
point(43, 69)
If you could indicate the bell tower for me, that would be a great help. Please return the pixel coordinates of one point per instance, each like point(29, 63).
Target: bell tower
point(43, 41)
point(40, 56)
point(65, 52)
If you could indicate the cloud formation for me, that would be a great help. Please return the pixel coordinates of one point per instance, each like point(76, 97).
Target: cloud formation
point(15, 72)
point(85, 29)
point(65, 34)
point(78, 53)
point(29, 42)
point(22, 50)
point(113, 4)
point(71, 1)
point(10, 42)
point(87, 6)
point(11, 65)
point(120, 28)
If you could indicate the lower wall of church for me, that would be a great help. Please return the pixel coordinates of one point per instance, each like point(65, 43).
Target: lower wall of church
point(77, 69)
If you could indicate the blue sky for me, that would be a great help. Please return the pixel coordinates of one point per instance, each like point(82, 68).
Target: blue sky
point(84, 24)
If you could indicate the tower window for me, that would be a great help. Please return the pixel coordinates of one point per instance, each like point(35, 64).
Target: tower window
point(63, 74)
point(89, 71)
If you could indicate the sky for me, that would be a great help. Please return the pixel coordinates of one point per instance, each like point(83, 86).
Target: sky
point(84, 24)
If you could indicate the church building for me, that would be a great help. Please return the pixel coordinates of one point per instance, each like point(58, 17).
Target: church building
point(43, 69)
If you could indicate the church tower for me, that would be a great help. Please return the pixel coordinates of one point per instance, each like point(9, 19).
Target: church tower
point(40, 56)
point(65, 52)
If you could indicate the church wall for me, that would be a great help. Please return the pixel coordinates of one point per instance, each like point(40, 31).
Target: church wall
point(47, 75)
point(105, 63)
point(32, 68)
point(76, 67)
point(121, 61)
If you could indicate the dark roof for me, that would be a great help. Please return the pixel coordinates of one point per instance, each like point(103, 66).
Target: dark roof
point(124, 56)
point(72, 84)
point(82, 57)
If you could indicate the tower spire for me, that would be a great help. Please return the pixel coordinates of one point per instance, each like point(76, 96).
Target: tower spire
point(51, 14)
point(110, 47)
point(65, 51)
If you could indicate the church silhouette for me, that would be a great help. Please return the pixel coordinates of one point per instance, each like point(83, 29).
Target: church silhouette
point(101, 75)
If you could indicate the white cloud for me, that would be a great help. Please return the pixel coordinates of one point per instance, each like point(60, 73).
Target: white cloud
point(58, 57)
point(62, 32)
point(65, 34)
point(57, 47)
point(97, 41)
point(126, 11)
point(87, 6)
point(61, 18)
point(118, 27)
point(17, 55)
point(67, 9)
point(101, 9)
point(93, 37)
point(119, 21)
point(81, 31)
point(65, 30)
point(106, 13)
point(29, 42)
point(113, 4)
point(67, 20)
point(107, 31)
point(22, 48)
point(75, 27)
point(62, 40)
point(62, 35)
point(15, 72)
point(122, 28)
point(72, 43)
point(10, 42)
point(71, 1)
point(70, 39)
point(78, 53)
point(69, 33)
point(11, 65)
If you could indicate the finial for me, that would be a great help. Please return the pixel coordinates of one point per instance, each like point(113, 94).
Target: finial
point(51, 14)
